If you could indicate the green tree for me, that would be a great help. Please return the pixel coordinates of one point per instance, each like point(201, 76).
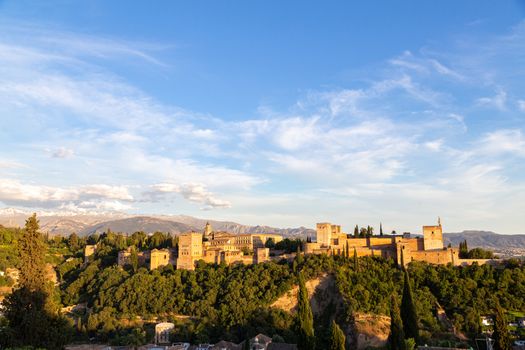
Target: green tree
point(305, 319)
point(270, 243)
point(463, 249)
point(408, 311)
point(501, 333)
point(32, 318)
point(32, 252)
point(356, 231)
point(396, 339)
point(356, 262)
point(337, 337)
point(134, 259)
point(347, 255)
point(73, 242)
point(380, 228)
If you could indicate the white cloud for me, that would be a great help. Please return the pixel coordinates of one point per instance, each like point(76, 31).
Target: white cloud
point(498, 101)
point(434, 145)
point(10, 164)
point(194, 192)
point(509, 141)
point(14, 192)
point(62, 152)
point(521, 105)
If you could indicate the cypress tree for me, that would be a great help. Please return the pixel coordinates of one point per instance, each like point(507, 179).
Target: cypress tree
point(501, 333)
point(408, 311)
point(380, 228)
point(356, 266)
point(337, 337)
point(305, 319)
point(347, 250)
point(32, 317)
point(396, 339)
point(32, 252)
point(356, 231)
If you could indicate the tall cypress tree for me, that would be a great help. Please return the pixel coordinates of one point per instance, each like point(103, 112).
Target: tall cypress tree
point(396, 339)
point(501, 333)
point(356, 231)
point(347, 250)
point(305, 319)
point(408, 311)
point(380, 228)
point(356, 266)
point(32, 252)
point(32, 318)
point(337, 337)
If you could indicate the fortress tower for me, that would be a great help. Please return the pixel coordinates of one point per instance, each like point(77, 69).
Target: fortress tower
point(208, 230)
point(433, 236)
point(324, 234)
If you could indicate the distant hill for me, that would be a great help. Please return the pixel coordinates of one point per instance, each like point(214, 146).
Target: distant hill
point(134, 224)
point(485, 239)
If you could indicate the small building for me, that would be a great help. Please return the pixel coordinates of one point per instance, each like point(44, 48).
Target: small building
point(89, 251)
point(159, 258)
point(260, 342)
point(163, 332)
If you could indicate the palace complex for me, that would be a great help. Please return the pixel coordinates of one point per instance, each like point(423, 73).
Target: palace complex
point(402, 248)
point(225, 247)
point(209, 246)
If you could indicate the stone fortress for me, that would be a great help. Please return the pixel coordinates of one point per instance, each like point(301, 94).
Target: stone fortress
point(402, 248)
point(209, 246)
point(225, 247)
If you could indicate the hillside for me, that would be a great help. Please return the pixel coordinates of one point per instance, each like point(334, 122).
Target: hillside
point(485, 239)
point(141, 223)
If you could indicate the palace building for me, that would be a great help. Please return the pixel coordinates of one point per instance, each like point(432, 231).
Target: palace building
point(402, 248)
point(209, 246)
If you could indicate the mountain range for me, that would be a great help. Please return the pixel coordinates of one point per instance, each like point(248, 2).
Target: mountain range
point(63, 223)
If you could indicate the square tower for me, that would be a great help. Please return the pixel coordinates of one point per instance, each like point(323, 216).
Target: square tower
point(324, 234)
point(190, 250)
point(433, 237)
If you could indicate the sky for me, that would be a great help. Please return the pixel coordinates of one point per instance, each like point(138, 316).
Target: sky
point(267, 112)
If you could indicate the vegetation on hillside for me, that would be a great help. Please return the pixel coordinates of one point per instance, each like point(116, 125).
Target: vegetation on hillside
point(232, 302)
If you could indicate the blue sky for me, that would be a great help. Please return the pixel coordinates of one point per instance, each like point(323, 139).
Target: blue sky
point(276, 113)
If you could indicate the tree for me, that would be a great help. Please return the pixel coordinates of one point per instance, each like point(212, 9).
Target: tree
point(305, 319)
point(32, 318)
point(380, 228)
point(73, 242)
point(408, 311)
point(270, 243)
point(347, 250)
point(356, 266)
point(356, 231)
point(396, 339)
point(463, 250)
point(134, 259)
point(32, 251)
point(501, 333)
point(363, 232)
point(337, 337)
